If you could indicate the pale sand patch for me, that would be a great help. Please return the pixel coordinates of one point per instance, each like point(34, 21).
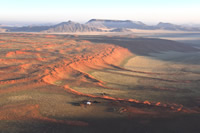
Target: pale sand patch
point(143, 63)
point(20, 98)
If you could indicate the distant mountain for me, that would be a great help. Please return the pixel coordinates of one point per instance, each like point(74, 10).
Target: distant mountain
point(120, 30)
point(169, 26)
point(72, 27)
point(192, 25)
point(62, 27)
point(28, 28)
point(102, 23)
point(98, 25)
point(117, 24)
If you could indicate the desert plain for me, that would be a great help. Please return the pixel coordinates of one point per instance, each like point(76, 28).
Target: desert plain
point(55, 83)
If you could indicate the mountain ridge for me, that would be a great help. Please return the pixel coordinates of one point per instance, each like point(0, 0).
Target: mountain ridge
point(97, 25)
point(72, 27)
point(117, 23)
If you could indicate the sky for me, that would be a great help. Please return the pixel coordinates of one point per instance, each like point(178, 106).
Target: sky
point(55, 11)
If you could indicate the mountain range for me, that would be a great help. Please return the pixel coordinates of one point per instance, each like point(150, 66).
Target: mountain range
point(100, 25)
point(71, 27)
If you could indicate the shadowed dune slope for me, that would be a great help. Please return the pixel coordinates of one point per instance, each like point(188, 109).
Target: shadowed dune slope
point(144, 46)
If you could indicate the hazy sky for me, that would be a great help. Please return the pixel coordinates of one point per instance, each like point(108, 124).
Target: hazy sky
point(148, 11)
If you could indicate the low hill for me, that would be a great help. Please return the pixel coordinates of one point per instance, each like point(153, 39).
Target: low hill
point(169, 26)
point(120, 30)
point(28, 28)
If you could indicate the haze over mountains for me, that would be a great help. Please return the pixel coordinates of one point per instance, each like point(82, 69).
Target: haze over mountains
point(99, 25)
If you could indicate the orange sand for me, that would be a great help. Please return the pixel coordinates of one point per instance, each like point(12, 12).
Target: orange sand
point(35, 63)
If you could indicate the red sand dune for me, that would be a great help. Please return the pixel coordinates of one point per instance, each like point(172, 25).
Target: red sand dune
point(50, 62)
point(50, 36)
point(174, 107)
